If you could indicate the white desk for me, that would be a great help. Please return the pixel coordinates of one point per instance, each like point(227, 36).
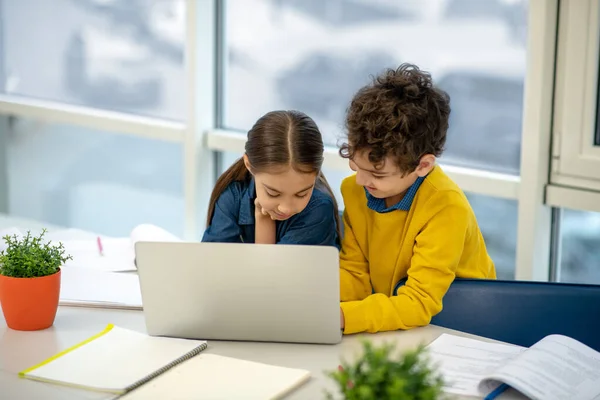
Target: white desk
point(19, 350)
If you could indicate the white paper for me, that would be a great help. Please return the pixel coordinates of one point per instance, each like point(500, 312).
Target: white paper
point(117, 254)
point(213, 377)
point(464, 362)
point(555, 368)
point(115, 360)
point(81, 286)
point(152, 233)
point(8, 232)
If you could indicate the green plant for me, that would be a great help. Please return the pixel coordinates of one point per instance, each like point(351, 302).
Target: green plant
point(30, 257)
point(377, 375)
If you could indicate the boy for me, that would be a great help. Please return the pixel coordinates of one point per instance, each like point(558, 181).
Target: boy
point(408, 228)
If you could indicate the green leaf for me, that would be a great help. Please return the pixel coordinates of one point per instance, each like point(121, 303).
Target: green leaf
point(379, 374)
point(31, 257)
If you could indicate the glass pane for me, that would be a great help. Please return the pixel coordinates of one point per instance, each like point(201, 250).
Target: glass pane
point(312, 55)
point(497, 219)
point(580, 241)
point(97, 181)
point(122, 55)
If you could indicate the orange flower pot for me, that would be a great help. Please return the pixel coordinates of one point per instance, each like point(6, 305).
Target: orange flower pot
point(30, 304)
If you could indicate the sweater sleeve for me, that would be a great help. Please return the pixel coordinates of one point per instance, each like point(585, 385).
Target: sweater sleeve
point(355, 283)
point(437, 251)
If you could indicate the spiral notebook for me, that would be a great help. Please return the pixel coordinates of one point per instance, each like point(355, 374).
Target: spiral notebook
point(137, 366)
point(115, 360)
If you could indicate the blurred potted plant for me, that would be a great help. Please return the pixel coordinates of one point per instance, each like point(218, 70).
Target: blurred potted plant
point(378, 375)
point(30, 281)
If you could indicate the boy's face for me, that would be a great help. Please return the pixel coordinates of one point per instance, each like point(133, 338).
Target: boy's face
point(387, 181)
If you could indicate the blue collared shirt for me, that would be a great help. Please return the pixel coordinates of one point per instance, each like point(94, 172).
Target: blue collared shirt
point(378, 205)
point(233, 220)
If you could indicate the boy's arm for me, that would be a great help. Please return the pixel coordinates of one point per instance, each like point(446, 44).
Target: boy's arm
point(437, 252)
point(355, 282)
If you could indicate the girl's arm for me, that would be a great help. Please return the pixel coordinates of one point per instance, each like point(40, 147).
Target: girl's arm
point(264, 230)
point(224, 225)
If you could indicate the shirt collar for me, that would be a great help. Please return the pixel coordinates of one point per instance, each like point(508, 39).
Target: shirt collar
point(246, 214)
point(378, 205)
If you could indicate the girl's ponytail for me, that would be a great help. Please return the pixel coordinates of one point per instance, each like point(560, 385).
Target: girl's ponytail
point(237, 172)
point(323, 181)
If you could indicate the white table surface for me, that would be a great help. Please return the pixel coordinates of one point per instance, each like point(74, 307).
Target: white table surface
point(20, 350)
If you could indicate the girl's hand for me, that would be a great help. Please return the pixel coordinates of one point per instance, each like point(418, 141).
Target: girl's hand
point(264, 228)
point(260, 212)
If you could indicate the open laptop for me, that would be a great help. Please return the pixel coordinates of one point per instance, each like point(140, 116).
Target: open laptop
point(236, 291)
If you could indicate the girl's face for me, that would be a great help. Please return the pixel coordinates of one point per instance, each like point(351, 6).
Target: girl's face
point(284, 192)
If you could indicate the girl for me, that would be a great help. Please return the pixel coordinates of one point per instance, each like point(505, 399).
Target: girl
point(276, 192)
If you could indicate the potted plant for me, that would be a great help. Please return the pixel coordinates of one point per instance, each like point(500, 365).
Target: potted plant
point(30, 281)
point(379, 375)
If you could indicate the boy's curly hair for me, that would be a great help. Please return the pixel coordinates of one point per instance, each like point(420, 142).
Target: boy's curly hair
point(400, 114)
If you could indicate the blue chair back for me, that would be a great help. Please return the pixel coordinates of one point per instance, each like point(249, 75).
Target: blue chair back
point(521, 312)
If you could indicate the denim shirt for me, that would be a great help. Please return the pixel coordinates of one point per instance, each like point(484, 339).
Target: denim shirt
point(378, 205)
point(233, 220)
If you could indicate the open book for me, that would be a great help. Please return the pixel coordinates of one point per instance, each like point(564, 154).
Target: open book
point(555, 368)
point(100, 252)
point(139, 366)
point(113, 254)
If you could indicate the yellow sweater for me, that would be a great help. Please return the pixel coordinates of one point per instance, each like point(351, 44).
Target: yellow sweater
point(437, 240)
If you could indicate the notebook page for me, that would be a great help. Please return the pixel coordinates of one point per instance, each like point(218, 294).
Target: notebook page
point(81, 285)
point(117, 254)
point(464, 362)
point(555, 368)
point(114, 360)
point(213, 377)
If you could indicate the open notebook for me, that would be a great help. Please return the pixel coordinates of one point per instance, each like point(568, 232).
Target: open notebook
point(555, 368)
point(122, 361)
point(101, 253)
point(114, 254)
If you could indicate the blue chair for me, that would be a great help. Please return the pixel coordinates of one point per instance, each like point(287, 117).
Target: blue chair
point(521, 312)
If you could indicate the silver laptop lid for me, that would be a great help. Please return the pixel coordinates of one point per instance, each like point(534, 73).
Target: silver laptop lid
point(232, 291)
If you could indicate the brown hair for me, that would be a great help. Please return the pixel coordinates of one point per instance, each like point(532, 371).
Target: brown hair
point(279, 138)
point(400, 114)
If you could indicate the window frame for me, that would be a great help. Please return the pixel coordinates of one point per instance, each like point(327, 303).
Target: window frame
point(540, 186)
point(576, 158)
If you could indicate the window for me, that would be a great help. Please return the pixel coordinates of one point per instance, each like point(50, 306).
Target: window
point(119, 55)
point(576, 142)
point(497, 219)
point(97, 181)
point(579, 260)
point(312, 55)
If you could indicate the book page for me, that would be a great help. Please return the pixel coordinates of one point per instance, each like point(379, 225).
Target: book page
point(151, 233)
point(113, 361)
point(117, 254)
point(213, 377)
point(555, 368)
point(464, 362)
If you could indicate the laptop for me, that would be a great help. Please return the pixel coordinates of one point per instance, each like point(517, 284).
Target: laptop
point(238, 291)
